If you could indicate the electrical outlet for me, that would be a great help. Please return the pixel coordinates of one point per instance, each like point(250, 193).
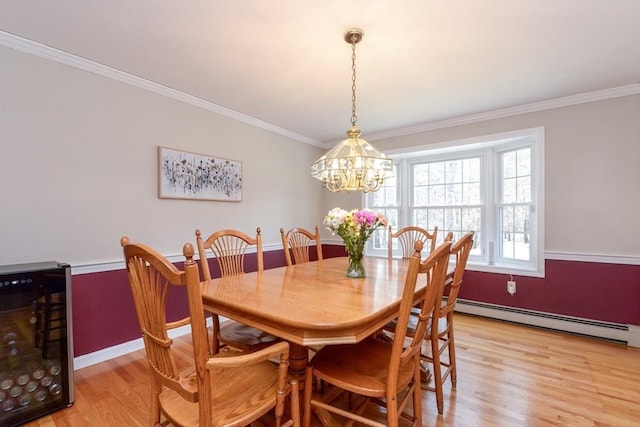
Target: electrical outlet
point(511, 286)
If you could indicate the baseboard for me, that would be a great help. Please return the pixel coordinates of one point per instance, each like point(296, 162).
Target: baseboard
point(107, 354)
point(629, 334)
point(124, 348)
point(610, 331)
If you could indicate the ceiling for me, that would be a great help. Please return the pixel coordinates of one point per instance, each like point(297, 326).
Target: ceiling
point(286, 62)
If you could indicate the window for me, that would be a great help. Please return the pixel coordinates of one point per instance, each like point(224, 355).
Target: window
point(446, 194)
point(515, 205)
point(384, 200)
point(491, 185)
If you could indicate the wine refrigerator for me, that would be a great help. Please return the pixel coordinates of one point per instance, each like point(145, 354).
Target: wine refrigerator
point(36, 348)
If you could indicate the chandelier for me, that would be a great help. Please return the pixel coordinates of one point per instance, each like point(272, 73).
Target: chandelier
point(354, 164)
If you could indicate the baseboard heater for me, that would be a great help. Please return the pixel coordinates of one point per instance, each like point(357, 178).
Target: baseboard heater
point(605, 330)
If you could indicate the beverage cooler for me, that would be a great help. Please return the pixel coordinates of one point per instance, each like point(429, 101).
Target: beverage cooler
point(36, 350)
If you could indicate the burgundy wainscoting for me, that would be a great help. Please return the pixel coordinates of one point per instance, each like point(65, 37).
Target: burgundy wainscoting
point(596, 291)
point(103, 311)
point(332, 251)
point(104, 314)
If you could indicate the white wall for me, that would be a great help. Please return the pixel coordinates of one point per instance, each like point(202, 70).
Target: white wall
point(592, 172)
point(78, 168)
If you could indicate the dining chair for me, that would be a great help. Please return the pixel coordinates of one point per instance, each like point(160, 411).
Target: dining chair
point(298, 241)
point(229, 248)
point(440, 333)
point(377, 371)
point(229, 388)
point(407, 236)
point(442, 338)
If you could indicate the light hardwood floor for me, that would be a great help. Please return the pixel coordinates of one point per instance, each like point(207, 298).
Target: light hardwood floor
point(508, 375)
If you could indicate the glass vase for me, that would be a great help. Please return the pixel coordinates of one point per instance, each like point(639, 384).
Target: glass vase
point(355, 268)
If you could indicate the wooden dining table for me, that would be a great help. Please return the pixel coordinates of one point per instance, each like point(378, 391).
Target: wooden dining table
point(313, 304)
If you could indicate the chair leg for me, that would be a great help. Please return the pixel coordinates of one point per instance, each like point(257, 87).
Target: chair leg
point(392, 412)
point(215, 343)
point(437, 373)
point(154, 419)
point(417, 396)
point(279, 410)
point(452, 356)
point(308, 394)
point(295, 403)
point(425, 374)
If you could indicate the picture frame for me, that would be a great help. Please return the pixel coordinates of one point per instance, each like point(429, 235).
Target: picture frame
point(193, 176)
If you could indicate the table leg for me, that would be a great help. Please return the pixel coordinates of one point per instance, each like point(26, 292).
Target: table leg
point(298, 360)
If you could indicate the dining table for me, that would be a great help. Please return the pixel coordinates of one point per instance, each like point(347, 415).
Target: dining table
point(313, 304)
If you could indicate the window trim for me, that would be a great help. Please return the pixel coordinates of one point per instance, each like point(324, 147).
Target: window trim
point(500, 142)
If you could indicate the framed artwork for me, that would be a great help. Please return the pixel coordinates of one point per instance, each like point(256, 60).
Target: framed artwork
point(185, 175)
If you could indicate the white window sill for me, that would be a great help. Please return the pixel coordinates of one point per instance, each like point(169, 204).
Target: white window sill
point(505, 269)
point(486, 268)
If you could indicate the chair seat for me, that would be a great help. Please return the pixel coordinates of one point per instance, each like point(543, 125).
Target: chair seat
point(252, 387)
point(246, 338)
point(360, 368)
point(413, 324)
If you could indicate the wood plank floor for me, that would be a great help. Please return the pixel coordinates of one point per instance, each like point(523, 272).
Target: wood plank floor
point(508, 375)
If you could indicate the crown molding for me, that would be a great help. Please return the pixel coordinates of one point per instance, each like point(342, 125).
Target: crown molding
point(583, 98)
point(47, 52)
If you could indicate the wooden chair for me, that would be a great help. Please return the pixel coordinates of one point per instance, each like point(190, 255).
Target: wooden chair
point(407, 236)
point(297, 241)
point(217, 391)
point(386, 373)
point(441, 338)
point(229, 248)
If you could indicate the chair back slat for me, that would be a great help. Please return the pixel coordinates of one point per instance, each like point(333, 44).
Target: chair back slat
point(297, 245)
point(229, 248)
point(406, 238)
point(460, 250)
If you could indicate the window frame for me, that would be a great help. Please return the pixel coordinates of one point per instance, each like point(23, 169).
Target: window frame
point(489, 148)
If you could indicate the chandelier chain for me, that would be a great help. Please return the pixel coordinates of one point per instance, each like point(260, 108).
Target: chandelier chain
point(354, 118)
